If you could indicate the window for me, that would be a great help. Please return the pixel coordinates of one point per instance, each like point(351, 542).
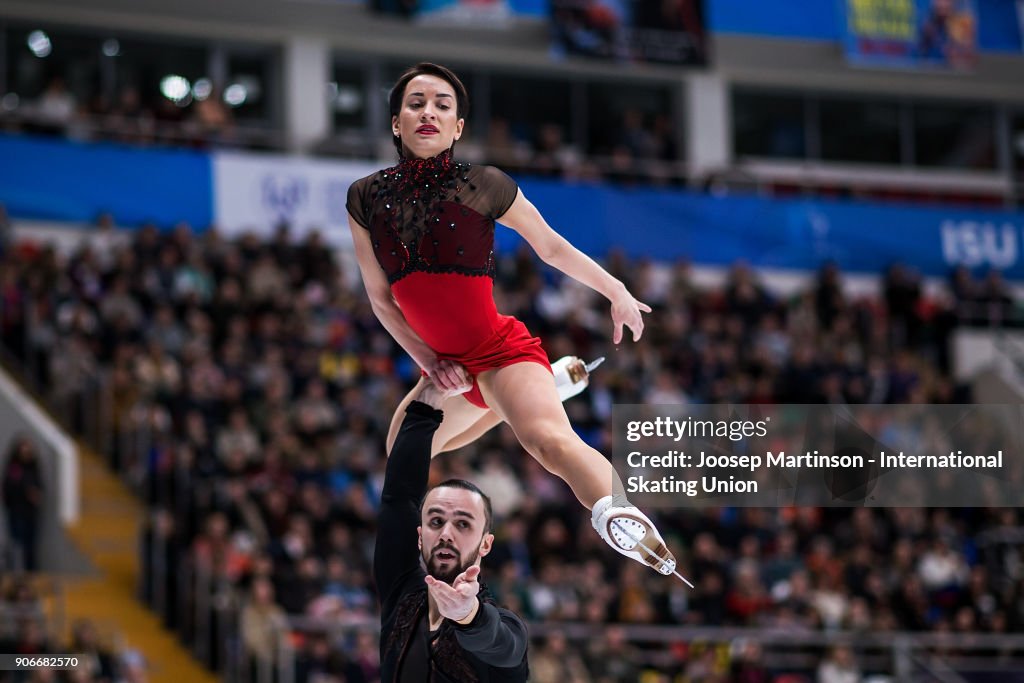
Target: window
point(529, 103)
point(250, 83)
point(635, 116)
point(857, 130)
point(954, 136)
point(37, 56)
point(144, 65)
point(346, 96)
point(769, 125)
point(1017, 143)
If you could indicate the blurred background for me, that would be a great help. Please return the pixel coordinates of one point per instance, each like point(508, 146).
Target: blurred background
point(820, 200)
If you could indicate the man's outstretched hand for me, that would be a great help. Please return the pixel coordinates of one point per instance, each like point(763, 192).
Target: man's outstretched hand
point(458, 601)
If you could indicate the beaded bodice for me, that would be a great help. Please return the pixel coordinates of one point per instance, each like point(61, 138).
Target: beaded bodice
point(433, 215)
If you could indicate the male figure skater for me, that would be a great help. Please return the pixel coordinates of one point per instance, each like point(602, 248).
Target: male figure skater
point(437, 623)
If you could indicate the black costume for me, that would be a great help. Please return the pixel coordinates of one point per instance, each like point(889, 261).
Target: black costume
point(490, 648)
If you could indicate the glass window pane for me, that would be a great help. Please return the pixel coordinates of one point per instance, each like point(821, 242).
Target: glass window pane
point(1017, 141)
point(393, 70)
point(637, 117)
point(528, 104)
point(38, 55)
point(249, 84)
point(768, 124)
point(346, 96)
point(145, 62)
point(954, 136)
point(853, 130)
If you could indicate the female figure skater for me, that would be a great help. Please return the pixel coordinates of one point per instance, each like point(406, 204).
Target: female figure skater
point(424, 233)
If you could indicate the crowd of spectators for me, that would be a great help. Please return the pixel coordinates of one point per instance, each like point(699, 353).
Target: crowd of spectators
point(640, 148)
point(252, 386)
point(29, 629)
point(130, 118)
point(623, 144)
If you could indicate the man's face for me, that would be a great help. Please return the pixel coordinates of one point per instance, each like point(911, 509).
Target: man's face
point(452, 534)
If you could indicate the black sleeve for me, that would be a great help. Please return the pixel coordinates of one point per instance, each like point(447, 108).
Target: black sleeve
point(405, 482)
point(357, 207)
point(496, 635)
point(500, 189)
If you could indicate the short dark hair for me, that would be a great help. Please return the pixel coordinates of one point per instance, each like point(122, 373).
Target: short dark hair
point(466, 486)
point(427, 69)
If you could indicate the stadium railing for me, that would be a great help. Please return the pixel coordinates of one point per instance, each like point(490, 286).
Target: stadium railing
point(902, 656)
point(149, 131)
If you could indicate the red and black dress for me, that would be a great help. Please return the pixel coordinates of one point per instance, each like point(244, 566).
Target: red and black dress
point(431, 223)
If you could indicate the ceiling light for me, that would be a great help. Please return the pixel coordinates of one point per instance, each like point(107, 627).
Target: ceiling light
point(39, 43)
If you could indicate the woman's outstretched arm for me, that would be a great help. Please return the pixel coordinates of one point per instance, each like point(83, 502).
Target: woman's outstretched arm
point(557, 252)
point(446, 374)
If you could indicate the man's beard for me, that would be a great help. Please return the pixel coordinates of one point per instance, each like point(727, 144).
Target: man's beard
point(452, 568)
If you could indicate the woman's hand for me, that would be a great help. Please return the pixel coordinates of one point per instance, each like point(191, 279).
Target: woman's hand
point(626, 310)
point(434, 397)
point(448, 376)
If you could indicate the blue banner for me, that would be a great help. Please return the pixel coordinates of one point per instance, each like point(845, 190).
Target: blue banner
point(781, 19)
point(777, 233)
point(62, 181)
point(485, 13)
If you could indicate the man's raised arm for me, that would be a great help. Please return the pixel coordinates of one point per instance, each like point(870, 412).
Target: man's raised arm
point(405, 483)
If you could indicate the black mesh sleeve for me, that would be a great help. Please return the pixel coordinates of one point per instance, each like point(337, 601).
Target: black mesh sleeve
point(357, 204)
point(499, 189)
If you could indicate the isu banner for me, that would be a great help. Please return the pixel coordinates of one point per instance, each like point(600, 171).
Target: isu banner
point(787, 234)
point(239, 192)
point(259, 192)
point(911, 33)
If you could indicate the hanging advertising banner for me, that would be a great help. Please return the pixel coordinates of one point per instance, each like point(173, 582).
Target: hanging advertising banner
point(630, 30)
point(912, 34)
point(496, 14)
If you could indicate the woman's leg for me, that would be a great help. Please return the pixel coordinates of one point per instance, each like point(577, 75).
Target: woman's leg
point(460, 416)
point(489, 421)
point(524, 395)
